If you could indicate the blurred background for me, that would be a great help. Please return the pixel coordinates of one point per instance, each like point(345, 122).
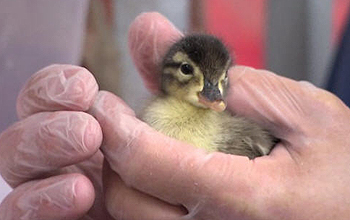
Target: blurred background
point(298, 39)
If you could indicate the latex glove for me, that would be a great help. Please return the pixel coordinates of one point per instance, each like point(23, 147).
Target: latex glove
point(306, 176)
point(50, 157)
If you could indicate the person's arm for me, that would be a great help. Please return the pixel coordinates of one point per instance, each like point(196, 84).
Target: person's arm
point(151, 176)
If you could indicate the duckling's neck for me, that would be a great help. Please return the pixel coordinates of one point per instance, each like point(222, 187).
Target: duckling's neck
point(172, 108)
point(184, 109)
point(182, 120)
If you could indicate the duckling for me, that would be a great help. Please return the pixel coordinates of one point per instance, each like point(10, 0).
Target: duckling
point(191, 104)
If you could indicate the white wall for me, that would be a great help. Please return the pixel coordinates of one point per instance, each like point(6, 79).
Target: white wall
point(34, 34)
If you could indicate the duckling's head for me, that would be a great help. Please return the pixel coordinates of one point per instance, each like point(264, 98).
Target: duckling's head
point(195, 70)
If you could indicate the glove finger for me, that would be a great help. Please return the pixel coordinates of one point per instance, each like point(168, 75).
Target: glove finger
point(57, 87)
point(61, 197)
point(278, 103)
point(150, 36)
point(124, 202)
point(45, 142)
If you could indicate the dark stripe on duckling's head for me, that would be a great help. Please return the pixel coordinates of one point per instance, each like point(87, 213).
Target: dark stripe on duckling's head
point(206, 51)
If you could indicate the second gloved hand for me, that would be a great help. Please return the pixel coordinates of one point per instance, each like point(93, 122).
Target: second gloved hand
point(151, 176)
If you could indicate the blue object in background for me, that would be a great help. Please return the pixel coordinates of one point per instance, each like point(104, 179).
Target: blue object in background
point(339, 81)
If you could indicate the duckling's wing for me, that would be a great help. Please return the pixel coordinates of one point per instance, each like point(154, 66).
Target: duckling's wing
point(240, 136)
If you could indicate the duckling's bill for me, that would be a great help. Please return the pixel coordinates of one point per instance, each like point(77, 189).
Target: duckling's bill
point(218, 105)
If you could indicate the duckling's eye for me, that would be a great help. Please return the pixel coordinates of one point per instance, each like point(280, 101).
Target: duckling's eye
point(186, 69)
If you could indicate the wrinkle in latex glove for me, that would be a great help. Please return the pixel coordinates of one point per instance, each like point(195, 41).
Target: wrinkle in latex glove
point(60, 136)
point(60, 197)
point(57, 87)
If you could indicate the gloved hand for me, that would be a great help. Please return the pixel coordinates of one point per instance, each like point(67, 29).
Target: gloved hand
point(50, 157)
point(151, 176)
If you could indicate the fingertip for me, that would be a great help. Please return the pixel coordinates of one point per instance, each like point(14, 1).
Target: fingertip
point(143, 21)
point(68, 196)
point(57, 87)
point(55, 139)
point(150, 36)
point(84, 194)
point(93, 135)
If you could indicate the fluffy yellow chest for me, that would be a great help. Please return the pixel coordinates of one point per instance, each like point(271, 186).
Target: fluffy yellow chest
point(183, 121)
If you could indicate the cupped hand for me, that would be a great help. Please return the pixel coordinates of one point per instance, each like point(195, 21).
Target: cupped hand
point(51, 155)
point(151, 176)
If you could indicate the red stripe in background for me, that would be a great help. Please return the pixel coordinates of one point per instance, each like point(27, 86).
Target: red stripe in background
point(340, 11)
point(109, 10)
point(241, 25)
